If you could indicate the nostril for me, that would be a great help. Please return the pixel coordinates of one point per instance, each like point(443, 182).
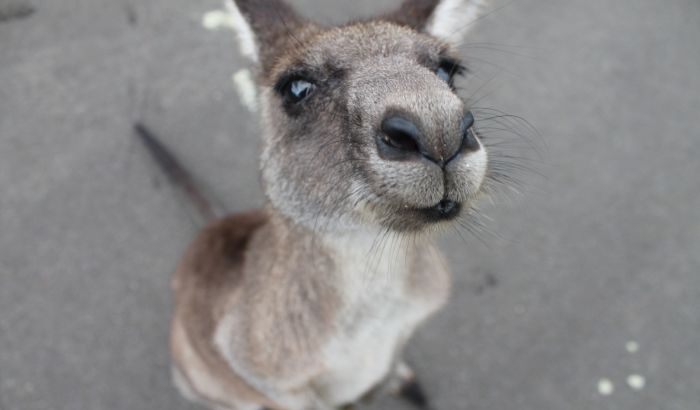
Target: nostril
point(468, 121)
point(401, 134)
point(469, 141)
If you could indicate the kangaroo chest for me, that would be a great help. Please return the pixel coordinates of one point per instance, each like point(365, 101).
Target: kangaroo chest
point(379, 312)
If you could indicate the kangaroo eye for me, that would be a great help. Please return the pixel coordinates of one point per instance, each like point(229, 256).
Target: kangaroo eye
point(447, 70)
point(297, 90)
point(444, 74)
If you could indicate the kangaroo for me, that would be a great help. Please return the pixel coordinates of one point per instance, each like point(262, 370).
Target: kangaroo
point(368, 152)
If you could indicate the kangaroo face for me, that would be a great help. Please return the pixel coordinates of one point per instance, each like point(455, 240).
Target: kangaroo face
point(363, 126)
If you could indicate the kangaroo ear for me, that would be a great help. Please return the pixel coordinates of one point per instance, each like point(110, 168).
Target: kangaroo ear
point(262, 26)
point(448, 20)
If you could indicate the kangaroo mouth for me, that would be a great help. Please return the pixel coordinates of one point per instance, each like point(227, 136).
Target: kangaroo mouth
point(415, 219)
point(444, 210)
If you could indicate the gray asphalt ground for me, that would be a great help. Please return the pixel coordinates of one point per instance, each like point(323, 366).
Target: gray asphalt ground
point(603, 250)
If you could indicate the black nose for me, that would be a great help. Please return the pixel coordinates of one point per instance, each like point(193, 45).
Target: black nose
point(469, 141)
point(401, 139)
point(401, 136)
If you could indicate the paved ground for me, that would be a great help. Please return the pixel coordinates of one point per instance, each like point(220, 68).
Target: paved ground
point(602, 251)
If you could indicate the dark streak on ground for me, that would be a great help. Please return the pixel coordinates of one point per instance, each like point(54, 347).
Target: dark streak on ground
point(15, 11)
point(131, 17)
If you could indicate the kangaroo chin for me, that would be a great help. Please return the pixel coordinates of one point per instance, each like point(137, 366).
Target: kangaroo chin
point(308, 303)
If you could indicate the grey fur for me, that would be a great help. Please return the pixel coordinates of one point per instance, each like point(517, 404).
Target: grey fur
point(308, 303)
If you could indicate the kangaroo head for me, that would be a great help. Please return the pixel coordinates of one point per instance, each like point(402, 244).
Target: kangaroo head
point(362, 124)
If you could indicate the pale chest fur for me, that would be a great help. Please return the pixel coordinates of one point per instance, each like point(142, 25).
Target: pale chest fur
point(382, 303)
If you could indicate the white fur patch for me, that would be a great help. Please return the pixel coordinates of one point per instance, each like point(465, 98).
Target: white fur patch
point(452, 19)
point(246, 37)
point(477, 163)
point(377, 318)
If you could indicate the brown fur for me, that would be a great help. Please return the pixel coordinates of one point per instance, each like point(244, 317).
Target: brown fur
point(287, 293)
point(202, 285)
point(414, 13)
point(274, 23)
point(270, 305)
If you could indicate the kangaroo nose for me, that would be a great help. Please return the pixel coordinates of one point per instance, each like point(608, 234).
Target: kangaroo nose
point(401, 139)
point(401, 134)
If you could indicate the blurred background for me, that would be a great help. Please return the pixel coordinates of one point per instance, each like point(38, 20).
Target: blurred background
point(585, 295)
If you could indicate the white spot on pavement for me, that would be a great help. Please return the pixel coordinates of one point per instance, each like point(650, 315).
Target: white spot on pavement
point(636, 381)
point(245, 86)
point(605, 387)
point(218, 19)
point(632, 346)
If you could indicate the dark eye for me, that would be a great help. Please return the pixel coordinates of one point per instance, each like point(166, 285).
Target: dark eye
point(448, 70)
point(297, 90)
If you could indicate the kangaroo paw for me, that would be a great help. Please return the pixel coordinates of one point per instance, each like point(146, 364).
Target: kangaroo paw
point(413, 393)
point(406, 386)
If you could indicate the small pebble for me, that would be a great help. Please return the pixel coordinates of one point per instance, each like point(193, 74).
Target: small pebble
point(636, 382)
point(605, 387)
